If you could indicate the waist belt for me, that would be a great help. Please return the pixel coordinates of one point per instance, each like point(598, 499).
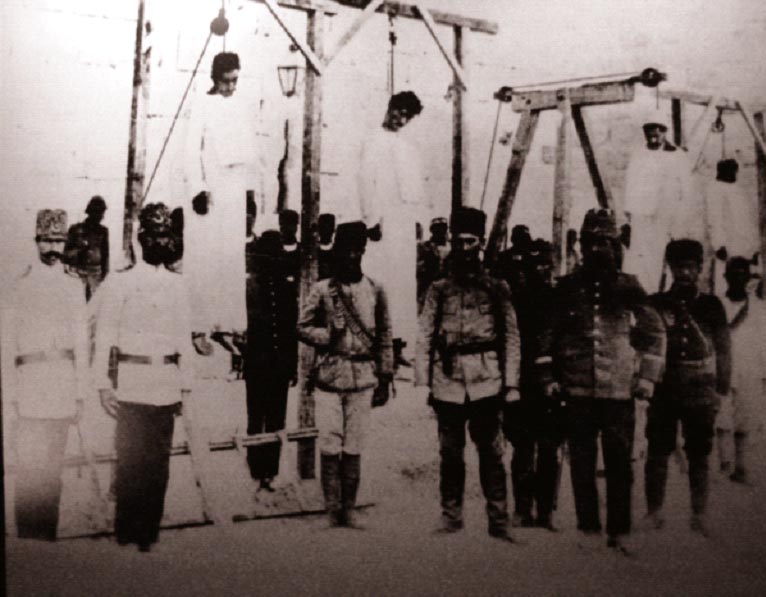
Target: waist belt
point(357, 358)
point(44, 356)
point(140, 359)
point(472, 348)
point(705, 363)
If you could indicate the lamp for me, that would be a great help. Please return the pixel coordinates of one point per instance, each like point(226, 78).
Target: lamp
point(288, 76)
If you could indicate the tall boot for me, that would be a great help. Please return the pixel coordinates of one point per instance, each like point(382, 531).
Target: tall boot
point(350, 472)
point(698, 485)
point(331, 487)
point(399, 360)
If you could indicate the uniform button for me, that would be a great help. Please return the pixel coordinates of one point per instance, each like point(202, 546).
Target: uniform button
point(596, 294)
point(683, 354)
point(595, 307)
point(684, 340)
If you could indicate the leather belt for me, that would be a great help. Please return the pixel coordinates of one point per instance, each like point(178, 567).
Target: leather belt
point(44, 356)
point(140, 359)
point(473, 348)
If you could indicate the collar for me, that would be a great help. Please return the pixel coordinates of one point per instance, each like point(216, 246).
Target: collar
point(290, 248)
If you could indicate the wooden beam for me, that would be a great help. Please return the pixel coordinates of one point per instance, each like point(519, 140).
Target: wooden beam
point(603, 192)
point(453, 64)
point(707, 117)
point(760, 165)
point(353, 30)
point(586, 95)
point(750, 121)
point(522, 142)
point(700, 99)
point(305, 5)
point(676, 110)
point(401, 9)
point(310, 192)
point(312, 59)
point(460, 155)
point(562, 192)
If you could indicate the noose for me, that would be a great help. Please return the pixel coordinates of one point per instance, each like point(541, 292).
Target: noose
point(392, 53)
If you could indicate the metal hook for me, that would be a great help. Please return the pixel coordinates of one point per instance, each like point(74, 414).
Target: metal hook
point(718, 125)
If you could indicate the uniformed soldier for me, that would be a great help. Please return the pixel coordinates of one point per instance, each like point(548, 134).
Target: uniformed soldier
point(534, 423)
point(44, 352)
point(600, 323)
point(468, 354)
point(325, 232)
point(142, 366)
point(87, 247)
point(346, 319)
point(698, 373)
point(272, 352)
point(433, 257)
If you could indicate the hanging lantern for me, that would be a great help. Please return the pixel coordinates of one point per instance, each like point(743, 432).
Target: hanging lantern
point(288, 77)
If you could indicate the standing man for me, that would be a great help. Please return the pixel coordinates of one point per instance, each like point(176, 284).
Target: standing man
point(468, 354)
point(600, 326)
point(272, 352)
point(432, 257)
point(325, 232)
point(87, 247)
point(345, 318)
point(45, 360)
point(142, 367)
point(393, 200)
point(288, 228)
point(697, 375)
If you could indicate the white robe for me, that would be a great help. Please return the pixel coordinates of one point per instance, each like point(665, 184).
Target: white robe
point(392, 194)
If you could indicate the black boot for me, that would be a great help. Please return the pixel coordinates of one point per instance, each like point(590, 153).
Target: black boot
point(698, 484)
point(330, 473)
point(350, 472)
point(399, 360)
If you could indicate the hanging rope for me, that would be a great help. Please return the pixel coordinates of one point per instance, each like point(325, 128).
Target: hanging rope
point(223, 10)
point(491, 153)
point(392, 54)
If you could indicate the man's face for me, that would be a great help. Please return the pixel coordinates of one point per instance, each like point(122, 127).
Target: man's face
point(289, 231)
point(51, 250)
point(439, 232)
point(655, 137)
point(227, 84)
point(685, 273)
point(737, 277)
point(598, 251)
point(466, 250)
point(348, 263)
point(397, 118)
point(96, 214)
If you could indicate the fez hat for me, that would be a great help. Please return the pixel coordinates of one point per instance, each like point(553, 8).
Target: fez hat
point(269, 244)
point(684, 249)
point(51, 225)
point(351, 236)
point(439, 220)
point(288, 216)
point(468, 220)
point(653, 124)
point(599, 223)
point(326, 219)
point(154, 219)
point(540, 252)
point(96, 204)
point(406, 101)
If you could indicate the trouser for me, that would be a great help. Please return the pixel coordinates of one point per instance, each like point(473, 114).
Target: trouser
point(342, 419)
point(40, 446)
point(266, 409)
point(144, 436)
point(483, 418)
point(615, 421)
point(698, 427)
point(534, 428)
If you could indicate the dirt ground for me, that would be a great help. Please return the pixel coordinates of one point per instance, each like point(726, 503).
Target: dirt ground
point(398, 553)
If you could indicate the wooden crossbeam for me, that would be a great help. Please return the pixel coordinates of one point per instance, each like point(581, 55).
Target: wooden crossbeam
point(353, 30)
point(305, 5)
point(700, 99)
point(431, 26)
point(314, 61)
point(587, 95)
point(603, 192)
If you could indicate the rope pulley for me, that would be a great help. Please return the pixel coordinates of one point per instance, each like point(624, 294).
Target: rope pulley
point(219, 25)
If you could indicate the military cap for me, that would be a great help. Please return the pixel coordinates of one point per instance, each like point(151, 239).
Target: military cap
point(540, 252)
point(51, 224)
point(468, 220)
point(269, 244)
point(289, 216)
point(684, 249)
point(326, 219)
point(351, 235)
point(439, 220)
point(154, 219)
point(600, 223)
point(96, 204)
point(653, 124)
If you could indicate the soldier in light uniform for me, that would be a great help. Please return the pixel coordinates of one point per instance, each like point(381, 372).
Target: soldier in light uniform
point(44, 368)
point(87, 247)
point(345, 318)
point(142, 366)
point(600, 326)
point(468, 354)
point(697, 375)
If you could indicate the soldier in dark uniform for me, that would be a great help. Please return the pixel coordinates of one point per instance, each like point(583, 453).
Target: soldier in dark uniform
point(697, 374)
point(533, 423)
point(468, 354)
point(511, 262)
point(87, 247)
point(288, 227)
point(601, 321)
point(433, 257)
point(325, 232)
point(272, 352)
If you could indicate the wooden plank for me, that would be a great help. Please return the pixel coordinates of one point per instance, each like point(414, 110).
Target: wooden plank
point(521, 144)
point(308, 53)
point(750, 121)
point(310, 197)
point(401, 9)
point(676, 110)
point(760, 166)
point(603, 192)
point(305, 5)
point(460, 155)
point(586, 95)
point(431, 26)
point(700, 99)
point(562, 192)
point(349, 34)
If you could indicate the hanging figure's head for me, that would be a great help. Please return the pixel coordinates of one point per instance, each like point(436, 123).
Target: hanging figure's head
point(402, 107)
point(655, 132)
point(225, 74)
point(96, 209)
point(684, 257)
point(737, 276)
point(155, 235)
point(600, 242)
point(540, 263)
point(326, 228)
point(726, 170)
point(348, 250)
point(51, 235)
point(288, 226)
point(520, 237)
point(439, 228)
point(467, 226)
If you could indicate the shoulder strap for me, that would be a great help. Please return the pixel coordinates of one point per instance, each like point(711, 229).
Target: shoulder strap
point(350, 314)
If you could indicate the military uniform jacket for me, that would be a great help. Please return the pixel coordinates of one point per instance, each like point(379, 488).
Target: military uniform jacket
point(345, 362)
point(145, 313)
point(600, 334)
point(699, 347)
point(44, 343)
point(472, 325)
point(87, 248)
point(533, 308)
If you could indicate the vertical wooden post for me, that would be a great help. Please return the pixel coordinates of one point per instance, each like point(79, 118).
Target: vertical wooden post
point(521, 144)
point(460, 173)
point(603, 193)
point(760, 164)
point(676, 110)
point(134, 185)
point(561, 190)
point(310, 189)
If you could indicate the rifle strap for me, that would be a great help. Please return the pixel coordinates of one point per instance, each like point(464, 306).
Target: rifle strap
point(353, 321)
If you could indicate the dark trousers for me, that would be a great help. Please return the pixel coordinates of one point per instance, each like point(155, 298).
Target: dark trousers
point(143, 439)
point(40, 446)
point(535, 431)
point(266, 411)
point(483, 418)
point(615, 420)
point(698, 427)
